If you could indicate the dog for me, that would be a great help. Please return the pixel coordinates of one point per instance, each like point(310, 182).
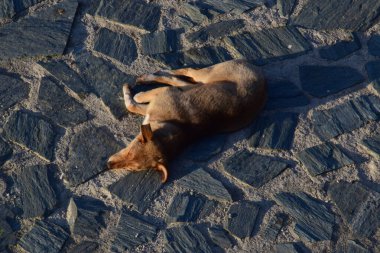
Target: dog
point(198, 102)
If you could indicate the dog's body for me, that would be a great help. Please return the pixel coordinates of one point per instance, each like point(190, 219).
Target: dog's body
point(221, 98)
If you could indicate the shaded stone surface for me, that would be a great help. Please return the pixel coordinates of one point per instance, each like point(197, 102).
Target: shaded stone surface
point(186, 207)
point(37, 193)
point(284, 94)
point(373, 70)
point(142, 188)
point(6, 9)
point(374, 45)
point(216, 30)
point(242, 218)
point(46, 32)
point(213, 8)
point(324, 158)
point(255, 170)
point(269, 44)
point(45, 237)
point(56, 104)
point(105, 80)
point(340, 49)
point(21, 5)
point(132, 230)
point(358, 206)
point(189, 15)
point(205, 149)
point(314, 221)
point(88, 152)
point(30, 130)
point(291, 248)
point(221, 237)
point(372, 145)
point(136, 13)
point(119, 46)
point(275, 131)
point(85, 246)
point(321, 81)
point(12, 89)
point(276, 223)
point(346, 117)
point(352, 247)
point(7, 231)
point(202, 182)
point(5, 151)
point(285, 7)
point(160, 42)
point(345, 14)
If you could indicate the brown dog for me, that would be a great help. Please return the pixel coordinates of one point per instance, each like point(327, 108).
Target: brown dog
point(221, 98)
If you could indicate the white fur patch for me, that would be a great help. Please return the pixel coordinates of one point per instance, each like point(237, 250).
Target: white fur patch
point(146, 119)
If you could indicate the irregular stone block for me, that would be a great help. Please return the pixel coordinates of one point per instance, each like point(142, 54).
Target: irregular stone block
point(274, 226)
point(105, 80)
point(138, 188)
point(275, 131)
point(206, 148)
point(340, 49)
point(327, 15)
point(5, 151)
point(358, 206)
point(373, 70)
point(374, 45)
point(285, 7)
point(226, 6)
point(253, 169)
point(322, 81)
point(136, 13)
point(46, 32)
point(242, 218)
point(132, 230)
point(187, 207)
point(21, 5)
point(314, 221)
point(291, 248)
point(202, 182)
point(216, 30)
point(45, 237)
point(284, 94)
point(7, 232)
point(346, 117)
point(160, 42)
point(56, 104)
point(6, 9)
point(12, 89)
point(116, 45)
point(220, 237)
point(324, 158)
point(88, 152)
point(372, 145)
point(189, 16)
point(37, 193)
point(32, 131)
point(269, 44)
point(353, 247)
point(85, 246)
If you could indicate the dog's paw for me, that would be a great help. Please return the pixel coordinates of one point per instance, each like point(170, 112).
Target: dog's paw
point(126, 90)
point(146, 78)
point(137, 97)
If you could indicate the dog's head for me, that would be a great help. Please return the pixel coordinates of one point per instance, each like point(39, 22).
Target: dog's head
point(142, 153)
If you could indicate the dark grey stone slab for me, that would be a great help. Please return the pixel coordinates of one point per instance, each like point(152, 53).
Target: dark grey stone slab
point(12, 89)
point(322, 81)
point(136, 13)
point(105, 80)
point(32, 131)
point(269, 44)
point(242, 218)
point(213, 8)
point(374, 45)
point(36, 192)
point(189, 16)
point(161, 42)
point(324, 158)
point(186, 207)
point(7, 231)
point(285, 7)
point(358, 206)
point(346, 117)
point(45, 31)
point(275, 224)
point(353, 247)
point(215, 30)
point(132, 230)
point(202, 182)
point(88, 152)
point(5, 151)
point(328, 15)
point(314, 221)
point(21, 5)
point(221, 237)
point(56, 104)
point(206, 148)
point(275, 131)
point(195, 57)
point(284, 94)
point(372, 145)
point(340, 49)
point(119, 46)
point(45, 237)
point(6, 9)
point(291, 248)
point(67, 75)
point(138, 188)
point(85, 246)
point(255, 170)
point(373, 70)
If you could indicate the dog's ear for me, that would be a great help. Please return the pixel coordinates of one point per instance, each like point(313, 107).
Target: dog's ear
point(146, 132)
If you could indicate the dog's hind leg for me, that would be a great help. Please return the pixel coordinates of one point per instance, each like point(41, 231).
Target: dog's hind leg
point(170, 80)
point(147, 96)
point(131, 105)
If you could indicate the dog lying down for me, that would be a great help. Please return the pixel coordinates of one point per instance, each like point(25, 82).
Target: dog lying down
point(221, 98)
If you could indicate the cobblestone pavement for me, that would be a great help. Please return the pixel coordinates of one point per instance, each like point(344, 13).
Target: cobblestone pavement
point(304, 177)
